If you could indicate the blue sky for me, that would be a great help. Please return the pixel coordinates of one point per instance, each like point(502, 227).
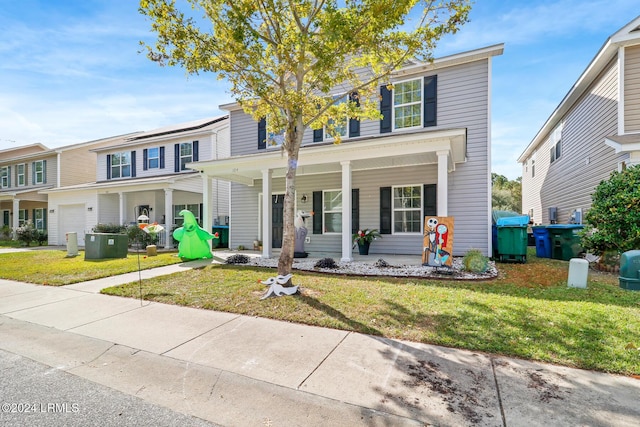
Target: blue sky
point(70, 70)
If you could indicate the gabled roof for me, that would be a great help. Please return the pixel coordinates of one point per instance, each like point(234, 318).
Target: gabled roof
point(627, 35)
point(180, 129)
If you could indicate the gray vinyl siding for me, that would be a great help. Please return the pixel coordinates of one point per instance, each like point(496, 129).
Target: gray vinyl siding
point(569, 181)
point(632, 89)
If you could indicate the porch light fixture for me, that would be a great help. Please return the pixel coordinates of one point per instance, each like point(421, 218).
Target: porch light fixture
point(304, 198)
point(90, 208)
point(52, 211)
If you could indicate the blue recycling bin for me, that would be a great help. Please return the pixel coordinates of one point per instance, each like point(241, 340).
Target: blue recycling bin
point(543, 241)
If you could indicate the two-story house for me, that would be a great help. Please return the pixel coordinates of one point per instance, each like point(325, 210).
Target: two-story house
point(27, 172)
point(429, 155)
point(146, 173)
point(594, 131)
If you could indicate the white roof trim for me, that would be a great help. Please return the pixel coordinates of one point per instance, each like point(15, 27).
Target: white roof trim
point(624, 143)
point(607, 52)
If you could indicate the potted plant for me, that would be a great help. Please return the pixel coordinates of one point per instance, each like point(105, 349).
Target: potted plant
point(363, 239)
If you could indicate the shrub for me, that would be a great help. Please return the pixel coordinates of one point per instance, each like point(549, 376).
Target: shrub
point(5, 232)
point(42, 237)
point(238, 259)
point(27, 233)
point(110, 228)
point(139, 237)
point(326, 263)
point(474, 262)
point(613, 221)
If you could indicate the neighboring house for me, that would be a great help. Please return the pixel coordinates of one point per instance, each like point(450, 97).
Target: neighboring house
point(146, 173)
point(385, 174)
point(27, 172)
point(594, 131)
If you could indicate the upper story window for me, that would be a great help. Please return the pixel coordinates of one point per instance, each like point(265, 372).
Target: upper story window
point(121, 165)
point(407, 209)
point(40, 172)
point(407, 104)
point(185, 152)
point(5, 177)
point(153, 158)
point(556, 143)
point(275, 139)
point(21, 175)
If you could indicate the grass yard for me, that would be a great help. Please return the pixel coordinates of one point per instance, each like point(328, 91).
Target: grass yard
point(527, 312)
point(53, 267)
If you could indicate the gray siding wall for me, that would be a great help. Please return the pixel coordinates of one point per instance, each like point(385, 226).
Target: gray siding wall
point(632, 89)
point(463, 102)
point(568, 182)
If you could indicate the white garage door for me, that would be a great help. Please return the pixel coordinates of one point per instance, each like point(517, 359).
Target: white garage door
point(72, 219)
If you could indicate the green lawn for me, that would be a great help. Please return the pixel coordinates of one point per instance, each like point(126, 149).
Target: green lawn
point(53, 267)
point(527, 312)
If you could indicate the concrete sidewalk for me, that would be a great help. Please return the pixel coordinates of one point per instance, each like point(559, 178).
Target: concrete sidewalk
point(238, 370)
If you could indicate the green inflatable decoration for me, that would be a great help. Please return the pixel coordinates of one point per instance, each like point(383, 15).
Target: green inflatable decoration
point(193, 238)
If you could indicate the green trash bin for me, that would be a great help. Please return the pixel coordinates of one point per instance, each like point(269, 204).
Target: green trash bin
point(565, 241)
point(223, 232)
point(512, 243)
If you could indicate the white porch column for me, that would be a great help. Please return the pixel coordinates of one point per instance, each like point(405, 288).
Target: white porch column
point(207, 204)
point(346, 212)
point(266, 213)
point(168, 217)
point(443, 183)
point(15, 223)
point(121, 208)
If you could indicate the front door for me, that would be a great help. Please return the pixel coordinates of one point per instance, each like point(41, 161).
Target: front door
point(277, 220)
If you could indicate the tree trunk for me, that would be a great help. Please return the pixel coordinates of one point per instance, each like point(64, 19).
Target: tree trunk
point(293, 139)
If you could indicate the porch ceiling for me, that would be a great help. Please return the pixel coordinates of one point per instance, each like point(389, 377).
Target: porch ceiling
point(397, 150)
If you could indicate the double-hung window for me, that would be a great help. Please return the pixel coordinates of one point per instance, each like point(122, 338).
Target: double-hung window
point(340, 127)
point(153, 158)
point(407, 104)
point(407, 209)
point(121, 165)
point(4, 177)
point(178, 220)
point(38, 219)
point(556, 143)
point(186, 154)
point(21, 175)
point(39, 172)
point(22, 217)
point(332, 211)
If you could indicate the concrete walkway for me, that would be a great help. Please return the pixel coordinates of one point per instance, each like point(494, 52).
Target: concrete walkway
point(236, 370)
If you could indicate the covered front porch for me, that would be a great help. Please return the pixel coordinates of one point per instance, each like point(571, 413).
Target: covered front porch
point(18, 207)
point(441, 149)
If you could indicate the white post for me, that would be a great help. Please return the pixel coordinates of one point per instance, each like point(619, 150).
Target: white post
point(266, 213)
point(207, 204)
point(16, 218)
point(121, 207)
point(346, 212)
point(443, 183)
point(168, 217)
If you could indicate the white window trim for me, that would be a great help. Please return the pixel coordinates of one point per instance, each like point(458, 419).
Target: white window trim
point(393, 106)
point(324, 211)
point(184, 206)
point(122, 154)
point(149, 158)
point(190, 156)
point(23, 175)
point(325, 134)
point(42, 171)
point(4, 177)
point(393, 211)
point(35, 219)
point(22, 213)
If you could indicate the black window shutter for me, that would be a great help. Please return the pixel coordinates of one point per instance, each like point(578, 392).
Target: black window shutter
point(262, 134)
point(355, 210)
point(196, 151)
point(26, 215)
point(176, 152)
point(430, 202)
point(145, 159)
point(385, 109)
point(44, 171)
point(430, 100)
point(317, 212)
point(33, 213)
point(108, 166)
point(9, 176)
point(133, 164)
point(33, 173)
point(354, 124)
point(318, 135)
point(44, 219)
point(385, 210)
point(161, 157)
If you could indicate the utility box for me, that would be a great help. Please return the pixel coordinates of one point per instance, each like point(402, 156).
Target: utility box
point(105, 245)
point(630, 270)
